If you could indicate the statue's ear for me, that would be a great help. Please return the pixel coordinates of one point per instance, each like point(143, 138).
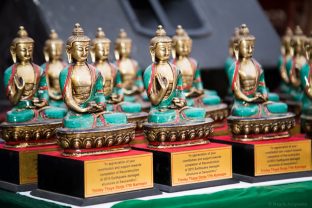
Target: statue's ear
point(68, 52)
point(117, 55)
point(46, 54)
point(236, 51)
point(173, 52)
point(152, 52)
point(13, 53)
point(92, 54)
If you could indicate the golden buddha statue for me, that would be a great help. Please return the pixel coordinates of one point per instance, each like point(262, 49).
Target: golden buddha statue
point(294, 64)
point(112, 82)
point(283, 59)
point(31, 121)
point(171, 122)
point(195, 94)
point(253, 116)
point(306, 85)
point(131, 74)
point(87, 128)
point(53, 50)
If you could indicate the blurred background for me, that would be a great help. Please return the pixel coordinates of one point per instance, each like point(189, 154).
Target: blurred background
point(210, 24)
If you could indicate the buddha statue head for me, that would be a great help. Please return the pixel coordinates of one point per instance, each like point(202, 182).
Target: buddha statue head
point(21, 48)
point(285, 48)
point(181, 43)
point(100, 46)
point(233, 41)
point(160, 46)
point(77, 46)
point(244, 46)
point(308, 47)
point(123, 45)
point(53, 47)
point(297, 42)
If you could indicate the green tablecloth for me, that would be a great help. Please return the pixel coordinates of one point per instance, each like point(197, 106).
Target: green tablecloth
point(293, 195)
point(12, 200)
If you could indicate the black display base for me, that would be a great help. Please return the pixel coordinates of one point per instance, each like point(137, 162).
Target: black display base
point(17, 188)
point(171, 189)
point(94, 200)
point(257, 179)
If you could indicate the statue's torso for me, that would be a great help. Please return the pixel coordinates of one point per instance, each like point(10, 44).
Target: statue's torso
point(27, 73)
point(187, 72)
point(53, 73)
point(128, 71)
point(81, 80)
point(166, 74)
point(299, 61)
point(248, 76)
point(108, 76)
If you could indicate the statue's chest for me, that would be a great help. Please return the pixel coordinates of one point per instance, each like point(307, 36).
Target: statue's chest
point(248, 75)
point(127, 69)
point(106, 72)
point(299, 62)
point(54, 70)
point(81, 80)
point(27, 73)
point(187, 72)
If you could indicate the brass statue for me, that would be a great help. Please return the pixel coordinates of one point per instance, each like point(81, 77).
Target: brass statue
point(295, 64)
point(112, 82)
point(31, 121)
point(306, 85)
point(283, 59)
point(131, 74)
point(195, 94)
point(253, 116)
point(53, 50)
point(171, 122)
point(88, 129)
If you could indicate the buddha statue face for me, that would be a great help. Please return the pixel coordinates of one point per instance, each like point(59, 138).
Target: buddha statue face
point(160, 46)
point(162, 51)
point(77, 46)
point(79, 51)
point(22, 47)
point(123, 45)
point(100, 46)
point(285, 49)
point(53, 48)
point(297, 42)
point(183, 47)
point(24, 52)
point(101, 51)
point(246, 48)
point(244, 45)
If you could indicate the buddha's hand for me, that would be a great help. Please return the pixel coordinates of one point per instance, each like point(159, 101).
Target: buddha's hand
point(161, 84)
point(94, 107)
point(39, 103)
point(178, 102)
point(195, 92)
point(19, 83)
point(258, 98)
point(115, 98)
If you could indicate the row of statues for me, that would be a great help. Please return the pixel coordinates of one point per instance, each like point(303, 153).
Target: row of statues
point(295, 68)
point(95, 107)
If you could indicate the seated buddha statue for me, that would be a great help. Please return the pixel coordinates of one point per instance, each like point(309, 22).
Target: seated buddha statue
point(283, 59)
point(306, 84)
point(192, 84)
point(253, 116)
point(112, 82)
point(294, 64)
point(31, 121)
point(170, 121)
point(87, 127)
point(131, 74)
point(233, 56)
point(53, 66)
